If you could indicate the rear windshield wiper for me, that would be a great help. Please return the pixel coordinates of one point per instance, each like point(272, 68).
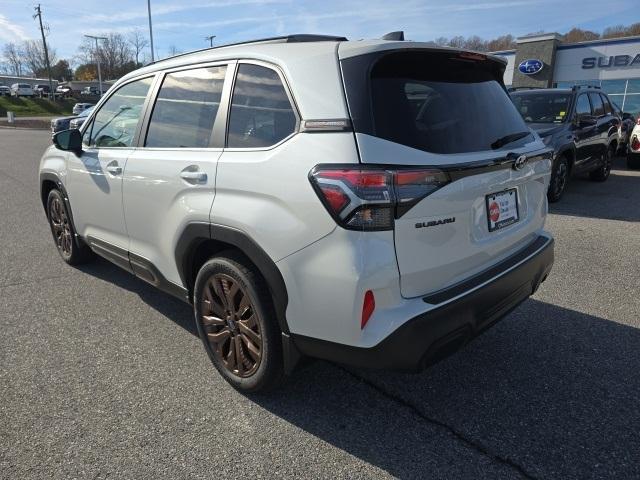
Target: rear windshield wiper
point(512, 137)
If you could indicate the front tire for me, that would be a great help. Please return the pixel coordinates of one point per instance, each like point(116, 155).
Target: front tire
point(602, 172)
point(237, 324)
point(559, 179)
point(70, 249)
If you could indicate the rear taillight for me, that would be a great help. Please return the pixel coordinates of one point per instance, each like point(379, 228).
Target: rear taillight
point(635, 144)
point(369, 198)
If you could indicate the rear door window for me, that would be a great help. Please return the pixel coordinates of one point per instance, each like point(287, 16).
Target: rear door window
point(261, 114)
point(583, 107)
point(596, 104)
point(439, 102)
point(608, 109)
point(186, 108)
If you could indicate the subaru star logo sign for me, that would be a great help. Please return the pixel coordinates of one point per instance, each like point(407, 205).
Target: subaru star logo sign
point(531, 66)
point(520, 162)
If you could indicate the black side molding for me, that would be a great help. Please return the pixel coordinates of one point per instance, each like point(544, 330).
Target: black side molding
point(198, 232)
point(138, 266)
point(50, 177)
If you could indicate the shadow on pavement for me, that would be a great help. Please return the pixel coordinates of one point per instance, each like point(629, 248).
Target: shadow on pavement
point(616, 199)
point(179, 312)
point(548, 392)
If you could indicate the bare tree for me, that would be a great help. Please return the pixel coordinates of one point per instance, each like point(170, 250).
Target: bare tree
point(114, 54)
point(35, 58)
point(579, 35)
point(138, 42)
point(13, 55)
point(173, 50)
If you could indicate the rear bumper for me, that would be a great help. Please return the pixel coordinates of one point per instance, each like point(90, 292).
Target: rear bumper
point(463, 312)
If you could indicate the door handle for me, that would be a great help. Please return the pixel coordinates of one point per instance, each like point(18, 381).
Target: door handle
point(193, 176)
point(114, 169)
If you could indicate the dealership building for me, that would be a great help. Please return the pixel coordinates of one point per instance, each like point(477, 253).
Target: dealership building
point(544, 61)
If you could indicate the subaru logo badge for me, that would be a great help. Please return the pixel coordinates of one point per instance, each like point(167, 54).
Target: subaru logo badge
point(531, 66)
point(520, 162)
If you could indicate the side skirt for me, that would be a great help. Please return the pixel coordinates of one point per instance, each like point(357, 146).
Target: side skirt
point(138, 266)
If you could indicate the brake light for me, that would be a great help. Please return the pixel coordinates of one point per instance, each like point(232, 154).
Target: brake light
point(635, 144)
point(368, 306)
point(638, 120)
point(369, 198)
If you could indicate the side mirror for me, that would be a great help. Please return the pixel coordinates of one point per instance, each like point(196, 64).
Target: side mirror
point(587, 121)
point(69, 141)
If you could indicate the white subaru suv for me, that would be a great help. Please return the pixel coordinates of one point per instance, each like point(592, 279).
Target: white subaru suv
point(376, 203)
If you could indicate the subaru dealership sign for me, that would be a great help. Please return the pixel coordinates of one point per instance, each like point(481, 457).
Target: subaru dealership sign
point(531, 66)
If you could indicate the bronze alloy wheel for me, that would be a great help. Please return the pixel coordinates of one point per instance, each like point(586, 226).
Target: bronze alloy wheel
point(231, 325)
point(61, 227)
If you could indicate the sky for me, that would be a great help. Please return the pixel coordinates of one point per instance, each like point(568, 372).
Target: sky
point(185, 24)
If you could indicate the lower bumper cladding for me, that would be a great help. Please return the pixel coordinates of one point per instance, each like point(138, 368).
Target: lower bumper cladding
point(434, 335)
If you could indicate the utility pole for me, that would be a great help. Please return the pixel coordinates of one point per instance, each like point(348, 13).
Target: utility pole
point(150, 30)
point(210, 38)
point(98, 60)
point(44, 44)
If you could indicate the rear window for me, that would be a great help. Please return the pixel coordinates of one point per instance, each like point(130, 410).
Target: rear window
point(439, 102)
point(24, 85)
point(596, 103)
point(542, 107)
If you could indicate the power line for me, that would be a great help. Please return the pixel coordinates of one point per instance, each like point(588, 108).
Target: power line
point(44, 44)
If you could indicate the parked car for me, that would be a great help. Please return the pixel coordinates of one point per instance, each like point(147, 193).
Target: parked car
point(61, 123)
point(64, 90)
point(581, 126)
point(633, 149)
point(324, 202)
point(78, 121)
point(22, 90)
point(90, 91)
point(41, 90)
point(626, 126)
point(5, 91)
point(78, 108)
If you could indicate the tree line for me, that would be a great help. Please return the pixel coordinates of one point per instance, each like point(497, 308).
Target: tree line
point(508, 42)
point(120, 54)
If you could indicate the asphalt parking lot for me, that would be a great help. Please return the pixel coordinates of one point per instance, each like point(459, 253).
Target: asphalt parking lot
point(102, 376)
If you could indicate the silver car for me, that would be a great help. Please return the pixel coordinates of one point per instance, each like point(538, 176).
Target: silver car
point(78, 108)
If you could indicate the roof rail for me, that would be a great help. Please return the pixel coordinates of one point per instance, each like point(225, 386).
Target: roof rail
point(296, 38)
point(578, 87)
point(515, 89)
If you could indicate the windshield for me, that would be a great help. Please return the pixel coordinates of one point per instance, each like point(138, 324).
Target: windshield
point(542, 107)
point(86, 113)
point(439, 102)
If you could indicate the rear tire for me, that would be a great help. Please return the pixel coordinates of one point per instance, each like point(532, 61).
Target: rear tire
point(72, 251)
point(559, 179)
point(237, 324)
point(602, 172)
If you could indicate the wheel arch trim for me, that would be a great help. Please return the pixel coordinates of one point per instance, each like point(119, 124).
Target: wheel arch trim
point(195, 233)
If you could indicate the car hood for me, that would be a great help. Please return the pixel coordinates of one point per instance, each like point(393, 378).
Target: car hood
point(544, 129)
